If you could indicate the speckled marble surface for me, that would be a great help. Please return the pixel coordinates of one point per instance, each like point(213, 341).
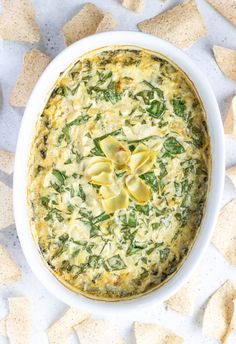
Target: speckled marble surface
point(51, 16)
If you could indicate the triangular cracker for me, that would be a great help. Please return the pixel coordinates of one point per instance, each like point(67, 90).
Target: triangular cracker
point(6, 161)
point(226, 60)
point(17, 22)
point(98, 332)
point(232, 325)
point(183, 301)
point(133, 5)
point(6, 206)
point(155, 334)
point(89, 20)
point(227, 8)
point(34, 64)
point(18, 323)
point(231, 173)
point(63, 328)
point(219, 311)
point(224, 237)
point(108, 23)
point(3, 330)
point(230, 120)
point(182, 25)
point(9, 271)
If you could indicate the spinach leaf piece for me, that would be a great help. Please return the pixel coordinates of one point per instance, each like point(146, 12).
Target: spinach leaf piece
point(70, 208)
point(100, 218)
point(116, 263)
point(151, 249)
point(62, 91)
point(66, 134)
point(97, 150)
point(58, 252)
point(60, 176)
point(54, 213)
point(158, 91)
point(151, 179)
point(163, 170)
point(156, 225)
point(110, 94)
point(164, 254)
point(129, 220)
point(66, 130)
point(94, 261)
point(85, 214)
point(134, 247)
point(45, 201)
point(172, 146)
point(103, 76)
point(94, 230)
point(81, 193)
point(144, 209)
point(156, 109)
point(178, 189)
point(198, 137)
point(179, 106)
point(146, 95)
point(183, 215)
point(64, 237)
point(78, 120)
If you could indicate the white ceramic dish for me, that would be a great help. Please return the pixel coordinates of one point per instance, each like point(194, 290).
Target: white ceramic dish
point(36, 104)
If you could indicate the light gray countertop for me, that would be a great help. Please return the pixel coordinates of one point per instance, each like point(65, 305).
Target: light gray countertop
point(51, 15)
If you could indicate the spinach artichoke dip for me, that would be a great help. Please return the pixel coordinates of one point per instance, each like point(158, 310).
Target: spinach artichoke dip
point(118, 173)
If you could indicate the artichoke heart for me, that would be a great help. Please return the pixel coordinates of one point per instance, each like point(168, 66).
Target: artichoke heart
point(119, 201)
point(109, 191)
point(137, 189)
point(115, 150)
point(99, 170)
point(142, 160)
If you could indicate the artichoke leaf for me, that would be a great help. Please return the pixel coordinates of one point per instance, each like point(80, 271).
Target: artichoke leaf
point(99, 170)
point(109, 191)
point(120, 201)
point(115, 150)
point(102, 178)
point(137, 189)
point(142, 160)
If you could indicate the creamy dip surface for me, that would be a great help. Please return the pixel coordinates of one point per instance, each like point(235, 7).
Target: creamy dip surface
point(118, 173)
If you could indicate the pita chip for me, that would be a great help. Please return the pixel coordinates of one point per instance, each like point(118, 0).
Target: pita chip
point(89, 20)
point(9, 271)
point(133, 5)
point(98, 332)
point(231, 173)
point(6, 161)
point(182, 25)
point(17, 22)
point(34, 64)
point(226, 60)
point(227, 8)
point(18, 323)
point(6, 207)
point(63, 328)
point(3, 330)
point(230, 121)
point(108, 23)
point(224, 237)
point(155, 334)
point(232, 325)
point(219, 311)
point(183, 301)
